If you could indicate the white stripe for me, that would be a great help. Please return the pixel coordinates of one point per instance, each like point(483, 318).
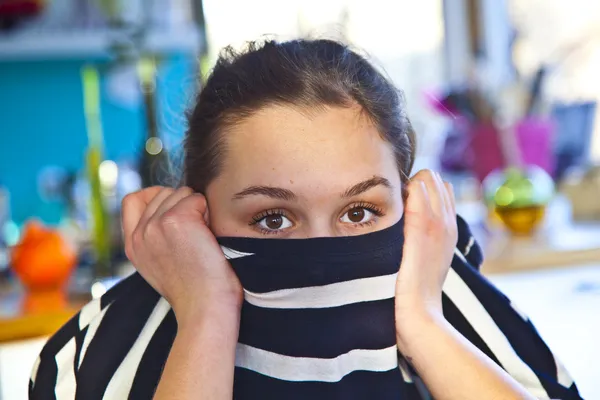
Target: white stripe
point(65, 376)
point(463, 298)
point(562, 375)
point(231, 254)
point(332, 295)
point(404, 370)
point(122, 380)
point(460, 255)
point(88, 312)
point(518, 311)
point(89, 335)
point(469, 245)
point(34, 370)
point(301, 369)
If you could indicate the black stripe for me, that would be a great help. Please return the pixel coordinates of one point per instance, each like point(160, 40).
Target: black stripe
point(520, 333)
point(79, 338)
point(269, 275)
point(461, 324)
point(250, 385)
point(45, 381)
point(557, 391)
point(573, 393)
point(117, 333)
point(123, 288)
point(155, 356)
point(475, 255)
point(319, 333)
point(61, 337)
point(316, 247)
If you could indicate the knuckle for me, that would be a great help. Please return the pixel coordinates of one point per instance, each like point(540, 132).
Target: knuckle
point(434, 226)
point(414, 183)
point(425, 174)
point(414, 186)
point(153, 230)
point(129, 253)
point(447, 229)
point(429, 221)
point(195, 201)
point(437, 225)
point(170, 220)
point(166, 191)
point(199, 198)
point(136, 241)
point(152, 191)
point(429, 176)
point(185, 190)
point(127, 201)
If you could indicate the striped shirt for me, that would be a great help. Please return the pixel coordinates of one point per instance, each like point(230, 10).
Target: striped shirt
point(117, 345)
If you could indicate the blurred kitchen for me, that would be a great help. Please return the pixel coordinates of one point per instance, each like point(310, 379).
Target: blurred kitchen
point(503, 95)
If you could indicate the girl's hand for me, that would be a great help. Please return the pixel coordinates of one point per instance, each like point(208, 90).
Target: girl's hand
point(430, 239)
point(450, 366)
point(168, 241)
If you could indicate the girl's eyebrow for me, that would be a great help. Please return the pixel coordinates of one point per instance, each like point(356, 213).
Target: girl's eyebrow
point(363, 186)
point(288, 195)
point(268, 191)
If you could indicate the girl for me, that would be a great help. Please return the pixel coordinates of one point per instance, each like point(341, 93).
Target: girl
point(299, 261)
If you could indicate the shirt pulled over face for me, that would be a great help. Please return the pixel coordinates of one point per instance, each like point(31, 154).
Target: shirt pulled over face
point(318, 315)
point(317, 323)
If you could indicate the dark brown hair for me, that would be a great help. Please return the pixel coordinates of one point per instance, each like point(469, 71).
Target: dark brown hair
point(299, 73)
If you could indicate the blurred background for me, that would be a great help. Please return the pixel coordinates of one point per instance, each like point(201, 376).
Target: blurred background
point(502, 93)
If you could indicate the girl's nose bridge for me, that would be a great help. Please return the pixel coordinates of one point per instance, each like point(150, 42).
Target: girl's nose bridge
point(320, 226)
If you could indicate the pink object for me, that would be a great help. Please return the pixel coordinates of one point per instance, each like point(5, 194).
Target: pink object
point(534, 136)
point(487, 150)
point(534, 139)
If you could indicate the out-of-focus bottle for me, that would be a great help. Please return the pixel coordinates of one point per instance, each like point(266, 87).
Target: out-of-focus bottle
point(94, 157)
point(154, 165)
point(519, 197)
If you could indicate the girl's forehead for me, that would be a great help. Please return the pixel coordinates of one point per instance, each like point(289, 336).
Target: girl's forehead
point(329, 148)
point(285, 135)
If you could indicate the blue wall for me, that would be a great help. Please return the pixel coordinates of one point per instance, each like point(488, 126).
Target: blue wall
point(42, 123)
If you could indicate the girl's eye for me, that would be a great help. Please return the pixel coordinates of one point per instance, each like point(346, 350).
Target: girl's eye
point(274, 222)
point(358, 215)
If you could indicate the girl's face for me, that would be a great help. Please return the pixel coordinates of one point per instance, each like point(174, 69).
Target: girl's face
point(296, 174)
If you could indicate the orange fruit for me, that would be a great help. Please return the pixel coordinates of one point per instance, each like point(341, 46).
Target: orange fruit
point(43, 259)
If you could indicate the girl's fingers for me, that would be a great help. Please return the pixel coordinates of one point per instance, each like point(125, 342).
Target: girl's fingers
point(435, 191)
point(451, 199)
point(154, 204)
point(172, 200)
point(444, 194)
point(446, 207)
point(194, 206)
point(418, 201)
point(133, 207)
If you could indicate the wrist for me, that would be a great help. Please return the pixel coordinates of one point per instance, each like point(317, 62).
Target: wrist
point(414, 307)
point(414, 327)
point(221, 314)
